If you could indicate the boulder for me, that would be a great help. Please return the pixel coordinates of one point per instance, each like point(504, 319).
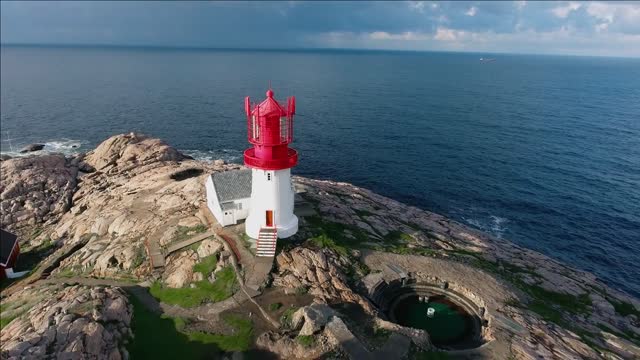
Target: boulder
point(131, 149)
point(208, 247)
point(32, 148)
point(180, 269)
point(315, 317)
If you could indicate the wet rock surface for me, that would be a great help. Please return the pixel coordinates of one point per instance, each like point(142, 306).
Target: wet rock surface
point(32, 148)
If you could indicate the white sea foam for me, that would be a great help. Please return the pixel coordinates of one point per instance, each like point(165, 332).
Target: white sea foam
point(495, 225)
point(64, 146)
point(228, 155)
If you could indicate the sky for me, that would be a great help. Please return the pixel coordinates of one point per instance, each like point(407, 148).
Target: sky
point(562, 27)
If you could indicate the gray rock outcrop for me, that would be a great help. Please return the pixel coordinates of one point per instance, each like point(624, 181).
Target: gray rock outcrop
point(320, 273)
point(75, 323)
point(36, 189)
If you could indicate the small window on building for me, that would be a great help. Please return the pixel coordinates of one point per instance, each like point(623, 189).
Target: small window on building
point(268, 176)
point(239, 206)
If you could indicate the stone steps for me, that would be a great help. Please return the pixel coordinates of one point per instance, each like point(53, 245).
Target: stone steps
point(266, 243)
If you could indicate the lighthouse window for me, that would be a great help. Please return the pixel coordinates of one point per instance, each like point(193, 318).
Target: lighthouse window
point(284, 129)
point(268, 176)
point(255, 126)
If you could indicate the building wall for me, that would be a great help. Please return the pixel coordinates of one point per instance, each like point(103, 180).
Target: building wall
point(241, 214)
point(215, 207)
point(212, 201)
point(272, 190)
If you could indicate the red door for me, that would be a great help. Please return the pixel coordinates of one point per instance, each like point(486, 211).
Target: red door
point(269, 218)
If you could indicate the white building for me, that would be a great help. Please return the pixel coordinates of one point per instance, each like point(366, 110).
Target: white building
point(229, 195)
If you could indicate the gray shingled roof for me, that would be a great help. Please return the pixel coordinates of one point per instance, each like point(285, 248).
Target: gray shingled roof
point(232, 185)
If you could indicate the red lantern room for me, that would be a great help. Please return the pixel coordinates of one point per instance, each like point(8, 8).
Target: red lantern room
point(270, 130)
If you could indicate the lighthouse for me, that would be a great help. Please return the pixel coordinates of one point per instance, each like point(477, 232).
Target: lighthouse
point(270, 131)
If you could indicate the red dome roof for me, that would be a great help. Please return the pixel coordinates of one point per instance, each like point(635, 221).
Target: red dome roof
point(269, 107)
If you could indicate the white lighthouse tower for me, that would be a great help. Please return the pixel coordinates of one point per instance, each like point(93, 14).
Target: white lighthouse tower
point(270, 130)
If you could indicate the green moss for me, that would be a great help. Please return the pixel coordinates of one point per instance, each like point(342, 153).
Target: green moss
point(67, 272)
point(285, 319)
point(239, 341)
point(206, 265)
point(140, 257)
point(275, 306)
point(204, 291)
point(301, 290)
point(380, 335)
point(623, 308)
point(36, 232)
point(398, 237)
point(363, 213)
point(337, 231)
point(185, 232)
point(323, 241)
point(306, 340)
point(405, 250)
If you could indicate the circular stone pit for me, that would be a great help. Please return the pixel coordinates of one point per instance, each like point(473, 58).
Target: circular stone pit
point(455, 325)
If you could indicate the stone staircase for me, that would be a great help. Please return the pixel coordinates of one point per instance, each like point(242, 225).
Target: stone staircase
point(266, 244)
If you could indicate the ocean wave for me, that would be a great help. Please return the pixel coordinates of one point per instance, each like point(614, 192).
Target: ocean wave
point(64, 146)
point(495, 225)
point(228, 155)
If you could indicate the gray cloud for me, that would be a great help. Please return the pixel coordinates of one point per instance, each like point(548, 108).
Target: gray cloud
point(611, 28)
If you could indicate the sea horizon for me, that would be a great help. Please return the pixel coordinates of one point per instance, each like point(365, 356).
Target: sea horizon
point(297, 49)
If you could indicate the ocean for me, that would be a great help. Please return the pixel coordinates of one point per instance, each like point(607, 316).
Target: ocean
point(540, 150)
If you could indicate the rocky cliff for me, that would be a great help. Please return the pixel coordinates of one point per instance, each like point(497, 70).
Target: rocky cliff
point(102, 216)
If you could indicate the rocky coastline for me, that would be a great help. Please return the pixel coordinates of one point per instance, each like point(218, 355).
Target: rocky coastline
point(91, 225)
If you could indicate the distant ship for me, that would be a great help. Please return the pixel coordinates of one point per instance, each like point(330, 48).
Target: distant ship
point(487, 59)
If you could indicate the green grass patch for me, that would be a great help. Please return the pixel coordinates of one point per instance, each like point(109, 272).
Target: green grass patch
point(306, 340)
point(204, 291)
point(11, 311)
point(549, 304)
point(206, 265)
point(323, 241)
point(5, 320)
point(275, 306)
point(156, 337)
point(285, 319)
